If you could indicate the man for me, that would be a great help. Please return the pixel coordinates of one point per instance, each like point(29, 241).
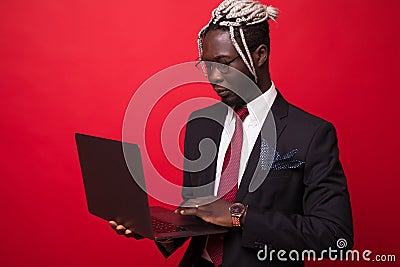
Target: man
point(302, 202)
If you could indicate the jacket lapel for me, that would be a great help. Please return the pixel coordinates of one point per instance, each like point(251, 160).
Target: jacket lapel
point(214, 131)
point(280, 111)
point(278, 114)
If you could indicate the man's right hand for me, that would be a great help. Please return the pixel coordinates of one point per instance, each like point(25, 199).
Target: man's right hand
point(121, 230)
point(168, 244)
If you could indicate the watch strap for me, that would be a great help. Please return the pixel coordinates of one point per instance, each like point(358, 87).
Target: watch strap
point(236, 221)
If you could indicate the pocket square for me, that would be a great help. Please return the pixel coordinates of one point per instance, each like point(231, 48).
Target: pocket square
point(271, 157)
point(286, 161)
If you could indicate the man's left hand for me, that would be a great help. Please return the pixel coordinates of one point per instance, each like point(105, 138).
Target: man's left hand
point(210, 209)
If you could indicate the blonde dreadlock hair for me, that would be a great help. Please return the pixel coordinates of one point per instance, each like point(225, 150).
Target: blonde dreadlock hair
point(241, 15)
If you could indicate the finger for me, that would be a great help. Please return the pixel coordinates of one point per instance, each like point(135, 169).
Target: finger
point(120, 229)
point(192, 203)
point(191, 206)
point(128, 233)
point(113, 224)
point(179, 210)
point(189, 203)
point(200, 201)
point(188, 211)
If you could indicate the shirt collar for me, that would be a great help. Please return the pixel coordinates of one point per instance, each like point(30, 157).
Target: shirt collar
point(258, 107)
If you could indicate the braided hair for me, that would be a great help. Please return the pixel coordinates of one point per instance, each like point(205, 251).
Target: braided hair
point(244, 19)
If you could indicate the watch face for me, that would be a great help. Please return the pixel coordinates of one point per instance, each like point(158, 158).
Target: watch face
point(237, 209)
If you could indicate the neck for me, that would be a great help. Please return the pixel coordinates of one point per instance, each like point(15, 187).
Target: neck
point(264, 82)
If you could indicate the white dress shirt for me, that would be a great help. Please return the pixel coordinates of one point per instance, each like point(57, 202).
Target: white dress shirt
point(252, 124)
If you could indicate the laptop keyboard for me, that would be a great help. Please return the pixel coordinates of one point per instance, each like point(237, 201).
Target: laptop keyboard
point(165, 227)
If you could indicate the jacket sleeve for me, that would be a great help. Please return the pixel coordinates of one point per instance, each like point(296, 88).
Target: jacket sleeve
point(326, 204)
point(167, 249)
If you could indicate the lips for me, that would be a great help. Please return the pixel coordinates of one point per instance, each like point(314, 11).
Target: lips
point(221, 91)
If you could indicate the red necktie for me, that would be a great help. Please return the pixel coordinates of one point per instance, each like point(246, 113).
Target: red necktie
point(228, 185)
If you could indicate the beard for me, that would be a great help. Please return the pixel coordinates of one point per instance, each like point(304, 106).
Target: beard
point(233, 100)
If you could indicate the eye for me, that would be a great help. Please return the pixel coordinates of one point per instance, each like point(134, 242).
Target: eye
point(208, 64)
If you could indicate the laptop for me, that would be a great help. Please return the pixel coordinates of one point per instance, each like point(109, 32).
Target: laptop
point(113, 194)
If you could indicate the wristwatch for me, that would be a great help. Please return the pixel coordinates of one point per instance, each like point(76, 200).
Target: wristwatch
point(237, 210)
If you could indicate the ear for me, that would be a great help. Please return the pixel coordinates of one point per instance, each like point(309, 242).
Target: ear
point(260, 55)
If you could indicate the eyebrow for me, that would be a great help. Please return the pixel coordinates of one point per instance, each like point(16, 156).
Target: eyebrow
point(218, 57)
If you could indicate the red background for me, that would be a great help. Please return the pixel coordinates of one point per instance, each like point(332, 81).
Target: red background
point(72, 66)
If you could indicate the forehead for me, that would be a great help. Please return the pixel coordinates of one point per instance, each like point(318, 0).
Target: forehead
point(217, 44)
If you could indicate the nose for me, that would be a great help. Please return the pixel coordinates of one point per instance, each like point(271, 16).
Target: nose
point(214, 76)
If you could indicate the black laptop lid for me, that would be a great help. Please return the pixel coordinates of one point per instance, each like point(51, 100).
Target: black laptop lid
point(111, 191)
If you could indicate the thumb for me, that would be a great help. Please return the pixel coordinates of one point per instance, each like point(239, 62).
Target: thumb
point(188, 211)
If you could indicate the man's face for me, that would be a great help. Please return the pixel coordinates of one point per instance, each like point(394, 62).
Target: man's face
point(218, 47)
